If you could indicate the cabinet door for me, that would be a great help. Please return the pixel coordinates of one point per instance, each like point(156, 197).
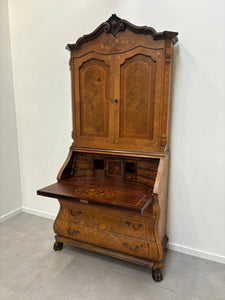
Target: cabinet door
point(138, 94)
point(92, 94)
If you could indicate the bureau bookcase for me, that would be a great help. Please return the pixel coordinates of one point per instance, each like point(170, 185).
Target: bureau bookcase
point(112, 188)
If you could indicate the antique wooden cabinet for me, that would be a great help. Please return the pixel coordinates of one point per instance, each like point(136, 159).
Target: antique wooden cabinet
point(112, 187)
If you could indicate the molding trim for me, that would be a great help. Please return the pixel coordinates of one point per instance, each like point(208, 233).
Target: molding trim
point(39, 213)
point(196, 252)
point(10, 214)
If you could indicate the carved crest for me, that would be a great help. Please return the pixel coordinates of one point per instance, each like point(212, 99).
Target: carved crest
point(113, 25)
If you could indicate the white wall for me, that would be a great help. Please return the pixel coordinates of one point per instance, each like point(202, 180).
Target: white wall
point(10, 191)
point(41, 29)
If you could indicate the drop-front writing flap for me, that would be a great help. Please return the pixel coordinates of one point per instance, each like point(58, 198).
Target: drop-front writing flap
point(133, 199)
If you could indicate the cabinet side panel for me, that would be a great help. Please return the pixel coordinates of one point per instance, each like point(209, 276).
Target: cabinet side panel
point(162, 196)
point(165, 110)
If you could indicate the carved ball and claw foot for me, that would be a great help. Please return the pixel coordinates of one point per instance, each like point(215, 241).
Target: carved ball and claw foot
point(157, 275)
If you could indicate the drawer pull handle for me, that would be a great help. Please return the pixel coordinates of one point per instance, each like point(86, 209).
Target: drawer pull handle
point(133, 226)
point(72, 232)
point(129, 247)
point(77, 213)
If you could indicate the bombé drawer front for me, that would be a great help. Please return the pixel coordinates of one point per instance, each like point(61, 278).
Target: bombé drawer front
point(110, 240)
point(111, 223)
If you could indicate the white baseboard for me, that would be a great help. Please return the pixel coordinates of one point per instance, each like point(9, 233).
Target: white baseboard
point(39, 213)
point(196, 252)
point(171, 246)
point(10, 214)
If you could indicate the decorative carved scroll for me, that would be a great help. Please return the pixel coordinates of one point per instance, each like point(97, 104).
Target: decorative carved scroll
point(113, 25)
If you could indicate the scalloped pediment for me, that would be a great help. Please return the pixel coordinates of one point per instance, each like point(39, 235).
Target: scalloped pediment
point(114, 25)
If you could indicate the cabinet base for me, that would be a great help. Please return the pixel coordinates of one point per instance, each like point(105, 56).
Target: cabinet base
point(155, 266)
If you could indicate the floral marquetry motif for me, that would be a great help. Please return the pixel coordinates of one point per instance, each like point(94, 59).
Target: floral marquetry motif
point(90, 192)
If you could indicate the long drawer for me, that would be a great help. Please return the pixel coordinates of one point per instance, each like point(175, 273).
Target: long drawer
point(110, 240)
point(111, 223)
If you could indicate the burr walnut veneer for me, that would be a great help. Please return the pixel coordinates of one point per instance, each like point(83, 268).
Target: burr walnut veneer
point(112, 188)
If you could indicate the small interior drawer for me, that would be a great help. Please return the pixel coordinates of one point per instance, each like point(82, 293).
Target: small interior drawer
point(151, 164)
point(147, 173)
point(83, 165)
point(84, 158)
point(83, 172)
point(145, 180)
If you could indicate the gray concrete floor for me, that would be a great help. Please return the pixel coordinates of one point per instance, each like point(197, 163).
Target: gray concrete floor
point(30, 269)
